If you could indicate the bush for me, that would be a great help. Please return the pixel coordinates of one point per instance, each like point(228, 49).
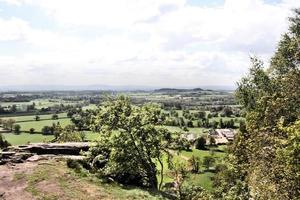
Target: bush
point(191, 192)
point(37, 118)
point(55, 117)
point(70, 136)
point(47, 130)
point(31, 130)
point(190, 124)
point(200, 143)
point(208, 162)
point(185, 129)
point(3, 142)
point(194, 163)
point(17, 129)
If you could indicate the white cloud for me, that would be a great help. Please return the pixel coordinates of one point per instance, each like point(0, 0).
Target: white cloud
point(12, 29)
point(153, 42)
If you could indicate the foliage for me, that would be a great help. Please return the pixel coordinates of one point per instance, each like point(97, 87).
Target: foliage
point(212, 141)
point(195, 162)
point(3, 142)
point(47, 130)
point(208, 162)
point(200, 143)
point(55, 117)
point(131, 142)
point(8, 124)
point(37, 118)
point(181, 189)
point(17, 129)
point(182, 144)
point(265, 154)
point(31, 130)
point(67, 134)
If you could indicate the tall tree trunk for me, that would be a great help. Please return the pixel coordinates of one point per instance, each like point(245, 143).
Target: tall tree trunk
point(161, 173)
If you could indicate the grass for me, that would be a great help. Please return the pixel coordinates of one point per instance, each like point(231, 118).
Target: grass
point(202, 153)
point(197, 131)
point(53, 180)
point(32, 117)
point(25, 138)
point(38, 125)
point(204, 178)
point(90, 107)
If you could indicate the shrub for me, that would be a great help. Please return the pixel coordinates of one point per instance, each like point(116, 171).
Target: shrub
point(70, 136)
point(47, 130)
point(3, 142)
point(55, 117)
point(17, 129)
point(208, 162)
point(31, 130)
point(194, 163)
point(200, 143)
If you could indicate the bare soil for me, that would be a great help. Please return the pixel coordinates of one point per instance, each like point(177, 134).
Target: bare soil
point(12, 188)
point(49, 179)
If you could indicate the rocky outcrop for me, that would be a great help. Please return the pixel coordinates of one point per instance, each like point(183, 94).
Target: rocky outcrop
point(14, 157)
point(32, 152)
point(70, 148)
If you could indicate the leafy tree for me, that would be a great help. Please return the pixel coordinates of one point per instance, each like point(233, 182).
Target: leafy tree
point(57, 130)
point(31, 130)
point(265, 156)
point(195, 162)
point(190, 123)
point(183, 190)
point(17, 129)
point(221, 123)
point(37, 118)
point(8, 124)
point(54, 117)
point(208, 162)
point(47, 130)
point(200, 143)
point(131, 142)
point(200, 115)
point(78, 121)
point(209, 116)
point(227, 111)
point(3, 142)
point(214, 124)
point(68, 135)
point(185, 129)
point(183, 144)
point(179, 172)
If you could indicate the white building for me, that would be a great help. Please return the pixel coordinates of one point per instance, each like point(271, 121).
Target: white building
point(222, 136)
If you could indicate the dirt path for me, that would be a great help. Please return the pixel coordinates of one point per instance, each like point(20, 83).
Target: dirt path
point(12, 188)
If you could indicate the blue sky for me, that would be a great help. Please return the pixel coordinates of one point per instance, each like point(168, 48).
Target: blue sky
point(158, 43)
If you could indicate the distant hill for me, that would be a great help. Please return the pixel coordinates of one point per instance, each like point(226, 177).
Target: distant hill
point(109, 87)
point(174, 90)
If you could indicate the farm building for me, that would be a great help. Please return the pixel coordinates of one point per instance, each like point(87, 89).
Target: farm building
point(222, 136)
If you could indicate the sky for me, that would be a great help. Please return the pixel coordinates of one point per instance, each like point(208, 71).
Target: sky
point(155, 43)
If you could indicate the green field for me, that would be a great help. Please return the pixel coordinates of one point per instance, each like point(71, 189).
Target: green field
point(196, 131)
point(25, 138)
point(39, 103)
point(38, 125)
point(32, 117)
point(28, 122)
point(204, 178)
